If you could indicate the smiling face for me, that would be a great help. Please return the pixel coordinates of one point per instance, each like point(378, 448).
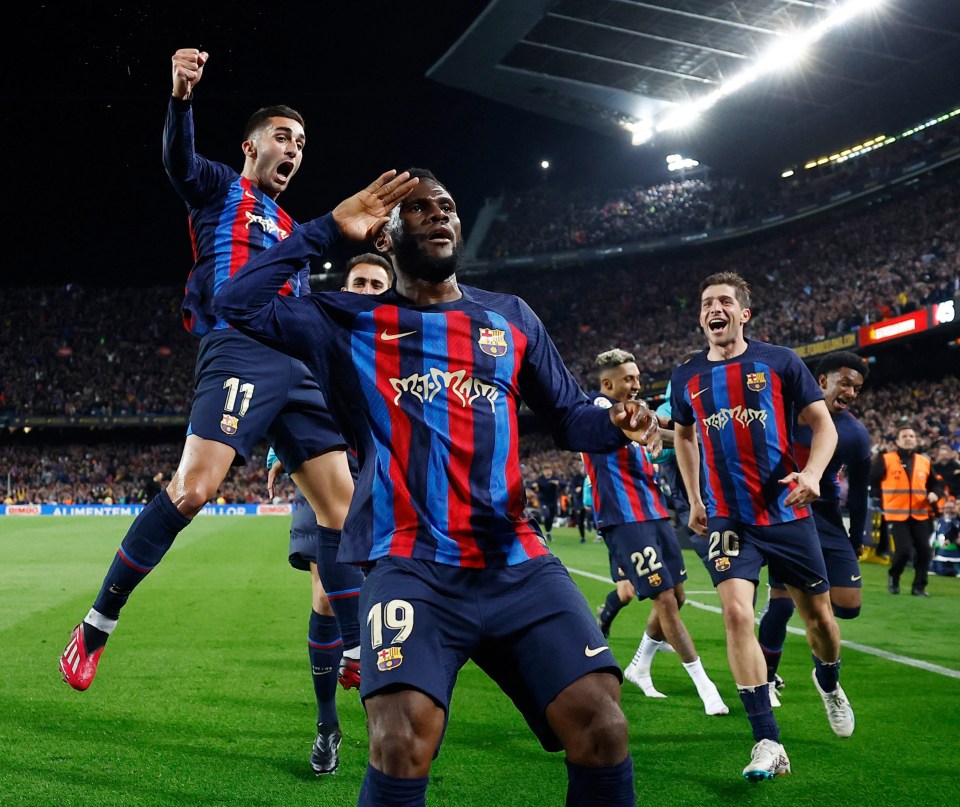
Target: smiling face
point(425, 234)
point(841, 388)
point(722, 318)
point(273, 155)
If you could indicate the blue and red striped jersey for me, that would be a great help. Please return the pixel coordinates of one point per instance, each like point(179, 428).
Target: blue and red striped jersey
point(626, 484)
point(745, 409)
point(852, 453)
point(230, 221)
point(430, 397)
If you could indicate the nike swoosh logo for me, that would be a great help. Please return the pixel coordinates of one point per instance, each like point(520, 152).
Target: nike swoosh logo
point(698, 393)
point(814, 585)
point(855, 577)
point(590, 652)
point(389, 337)
point(683, 571)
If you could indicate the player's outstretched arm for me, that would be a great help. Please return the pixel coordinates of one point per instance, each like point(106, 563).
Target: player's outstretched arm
point(360, 217)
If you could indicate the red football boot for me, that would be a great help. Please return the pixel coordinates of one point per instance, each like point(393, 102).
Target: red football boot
point(349, 673)
point(77, 668)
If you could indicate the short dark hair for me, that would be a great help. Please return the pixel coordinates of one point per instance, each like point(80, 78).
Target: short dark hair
point(740, 286)
point(842, 358)
point(371, 258)
point(425, 173)
point(262, 115)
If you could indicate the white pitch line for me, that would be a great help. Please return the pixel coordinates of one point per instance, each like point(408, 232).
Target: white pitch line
point(873, 651)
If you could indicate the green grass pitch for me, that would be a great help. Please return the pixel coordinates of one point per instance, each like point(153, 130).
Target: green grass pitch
point(204, 693)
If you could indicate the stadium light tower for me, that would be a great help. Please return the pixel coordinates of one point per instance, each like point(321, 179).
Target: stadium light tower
point(788, 52)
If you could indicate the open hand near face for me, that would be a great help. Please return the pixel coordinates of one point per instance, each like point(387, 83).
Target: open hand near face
point(361, 216)
point(639, 423)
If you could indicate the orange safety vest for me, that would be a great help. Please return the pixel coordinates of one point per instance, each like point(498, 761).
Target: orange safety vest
point(905, 496)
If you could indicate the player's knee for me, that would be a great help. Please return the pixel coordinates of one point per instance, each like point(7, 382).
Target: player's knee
point(604, 739)
point(846, 612)
point(191, 500)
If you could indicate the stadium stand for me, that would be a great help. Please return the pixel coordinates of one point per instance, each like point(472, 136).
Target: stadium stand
point(95, 382)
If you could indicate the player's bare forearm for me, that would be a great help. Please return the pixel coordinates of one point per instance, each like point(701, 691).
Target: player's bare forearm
point(806, 482)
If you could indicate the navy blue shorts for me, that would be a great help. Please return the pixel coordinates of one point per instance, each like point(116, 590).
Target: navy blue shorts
point(311, 544)
point(647, 553)
point(303, 535)
point(843, 566)
point(526, 626)
point(245, 392)
point(791, 550)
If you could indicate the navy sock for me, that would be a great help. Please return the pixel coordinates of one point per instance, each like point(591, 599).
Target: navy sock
point(325, 651)
point(380, 790)
point(599, 787)
point(611, 607)
point(342, 582)
point(828, 675)
point(756, 700)
point(142, 548)
point(773, 632)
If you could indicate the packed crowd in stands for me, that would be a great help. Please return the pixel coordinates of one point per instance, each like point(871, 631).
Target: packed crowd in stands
point(552, 219)
point(811, 283)
point(75, 352)
point(118, 472)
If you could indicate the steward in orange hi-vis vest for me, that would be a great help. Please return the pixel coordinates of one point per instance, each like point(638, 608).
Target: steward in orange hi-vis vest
point(905, 494)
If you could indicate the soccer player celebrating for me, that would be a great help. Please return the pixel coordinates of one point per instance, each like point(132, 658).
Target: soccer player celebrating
point(428, 378)
point(245, 391)
point(841, 376)
point(737, 402)
point(635, 523)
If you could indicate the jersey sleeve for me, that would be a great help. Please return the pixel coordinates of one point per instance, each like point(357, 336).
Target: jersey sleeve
point(550, 390)
point(194, 177)
point(249, 301)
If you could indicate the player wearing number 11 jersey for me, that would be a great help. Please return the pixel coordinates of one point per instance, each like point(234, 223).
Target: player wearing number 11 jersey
point(244, 391)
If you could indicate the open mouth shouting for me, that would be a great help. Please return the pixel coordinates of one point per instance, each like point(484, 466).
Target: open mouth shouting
point(716, 325)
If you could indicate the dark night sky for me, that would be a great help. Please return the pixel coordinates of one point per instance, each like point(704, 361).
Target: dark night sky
point(86, 94)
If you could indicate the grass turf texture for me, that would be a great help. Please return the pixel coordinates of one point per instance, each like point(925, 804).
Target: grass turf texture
point(204, 693)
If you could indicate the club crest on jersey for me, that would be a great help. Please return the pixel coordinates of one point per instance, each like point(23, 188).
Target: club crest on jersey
point(722, 564)
point(389, 658)
point(229, 424)
point(757, 382)
point(493, 342)
point(655, 580)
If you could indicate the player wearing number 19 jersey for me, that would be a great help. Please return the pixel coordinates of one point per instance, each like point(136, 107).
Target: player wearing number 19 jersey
point(737, 403)
point(428, 379)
